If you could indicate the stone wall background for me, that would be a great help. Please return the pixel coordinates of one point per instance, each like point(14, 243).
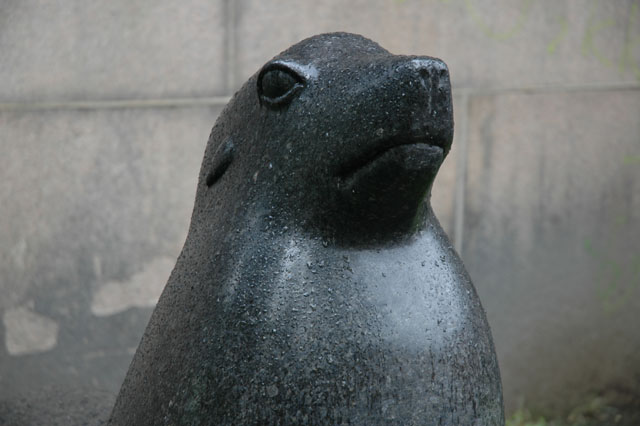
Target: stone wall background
point(105, 109)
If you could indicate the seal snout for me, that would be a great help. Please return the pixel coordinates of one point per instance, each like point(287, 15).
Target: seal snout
point(418, 135)
point(430, 100)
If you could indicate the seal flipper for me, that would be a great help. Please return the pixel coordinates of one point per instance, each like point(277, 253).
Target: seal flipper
point(221, 161)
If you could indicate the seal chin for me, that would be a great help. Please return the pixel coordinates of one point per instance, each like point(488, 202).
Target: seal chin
point(410, 157)
point(387, 195)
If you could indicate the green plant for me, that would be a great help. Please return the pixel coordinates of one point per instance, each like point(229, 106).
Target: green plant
point(523, 417)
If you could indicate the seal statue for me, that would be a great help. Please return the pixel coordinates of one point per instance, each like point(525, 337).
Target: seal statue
point(316, 285)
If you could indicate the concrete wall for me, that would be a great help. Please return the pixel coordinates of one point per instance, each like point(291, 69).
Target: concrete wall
point(105, 108)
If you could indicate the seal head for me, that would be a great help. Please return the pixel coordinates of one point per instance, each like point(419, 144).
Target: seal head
point(337, 135)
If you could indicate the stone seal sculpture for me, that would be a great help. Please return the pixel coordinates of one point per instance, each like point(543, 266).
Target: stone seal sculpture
point(316, 285)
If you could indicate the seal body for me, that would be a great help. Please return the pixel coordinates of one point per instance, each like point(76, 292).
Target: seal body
point(316, 285)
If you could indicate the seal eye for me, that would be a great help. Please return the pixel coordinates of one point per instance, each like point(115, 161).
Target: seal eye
point(278, 85)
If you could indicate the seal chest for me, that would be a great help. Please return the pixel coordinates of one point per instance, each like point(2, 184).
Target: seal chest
point(316, 284)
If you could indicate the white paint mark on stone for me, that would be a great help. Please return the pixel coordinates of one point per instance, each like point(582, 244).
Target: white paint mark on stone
point(142, 290)
point(28, 332)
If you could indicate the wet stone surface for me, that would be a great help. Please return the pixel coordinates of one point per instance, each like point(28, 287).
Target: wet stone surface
point(316, 284)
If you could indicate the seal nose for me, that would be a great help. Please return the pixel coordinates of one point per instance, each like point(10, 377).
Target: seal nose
point(428, 98)
point(433, 73)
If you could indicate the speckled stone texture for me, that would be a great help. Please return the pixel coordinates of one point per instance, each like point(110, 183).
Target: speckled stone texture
point(316, 285)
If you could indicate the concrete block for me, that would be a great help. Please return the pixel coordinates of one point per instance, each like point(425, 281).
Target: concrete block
point(94, 209)
point(79, 50)
point(552, 241)
point(529, 43)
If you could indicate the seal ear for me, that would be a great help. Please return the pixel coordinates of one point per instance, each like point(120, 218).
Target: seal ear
point(222, 158)
point(278, 84)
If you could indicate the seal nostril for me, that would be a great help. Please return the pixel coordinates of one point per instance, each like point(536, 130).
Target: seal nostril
point(424, 72)
point(425, 77)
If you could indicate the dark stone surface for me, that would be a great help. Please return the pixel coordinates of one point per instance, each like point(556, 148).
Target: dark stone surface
point(316, 285)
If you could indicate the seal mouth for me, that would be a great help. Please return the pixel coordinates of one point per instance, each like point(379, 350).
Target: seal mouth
point(422, 144)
